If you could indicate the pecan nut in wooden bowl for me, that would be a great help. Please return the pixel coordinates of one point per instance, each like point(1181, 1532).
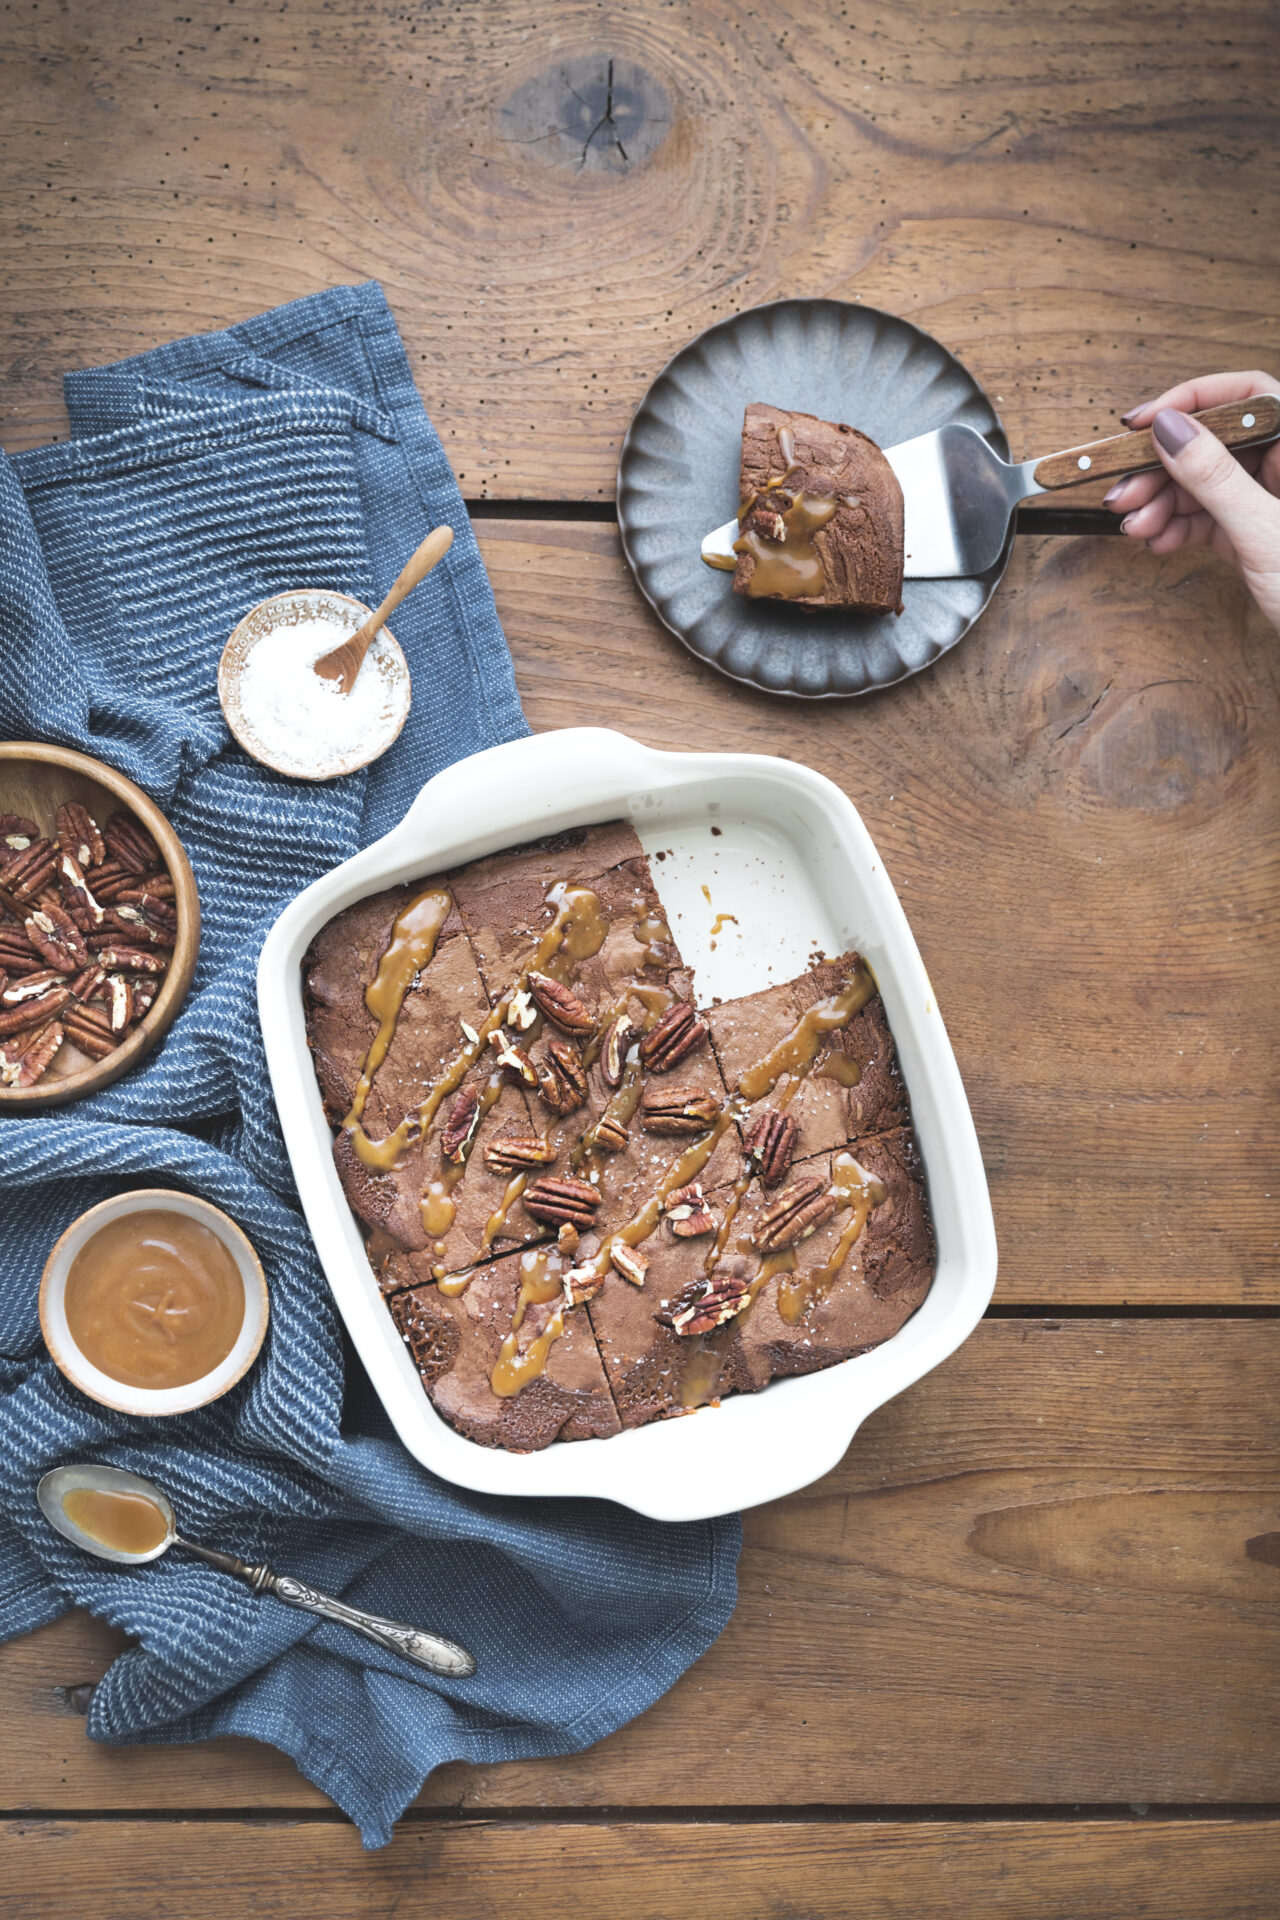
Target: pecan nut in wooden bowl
point(99, 925)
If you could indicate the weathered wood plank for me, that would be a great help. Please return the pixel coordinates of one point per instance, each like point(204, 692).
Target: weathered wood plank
point(1079, 807)
point(1079, 201)
point(1026, 1583)
point(1146, 1870)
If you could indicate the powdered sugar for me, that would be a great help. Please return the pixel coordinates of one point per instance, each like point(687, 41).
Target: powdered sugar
point(303, 723)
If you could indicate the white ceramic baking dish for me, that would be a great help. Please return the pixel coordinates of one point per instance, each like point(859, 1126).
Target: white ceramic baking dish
point(795, 865)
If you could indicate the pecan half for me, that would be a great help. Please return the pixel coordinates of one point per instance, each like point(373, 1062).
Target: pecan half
point(581, 1283)
point(629, 1262)
point(76, 890)
point(25, 1058)
point(79, 835)
point(17, 825)
point(562, 1078)
point(139, 924)
point(513, 1058)
point(678, 1033)
point(677, 1109)
point(89, 983)
point(18, 991)
point(17, 955)
point(145, 993)
point(613, 1054)
point(459, 1128)
point(89, 1028)
point(706, 1304)
point(771, 1143)
point(111, 880)
point(42, 1007)
point(53, 932)
point(688, 1214)
point(513, 1152)
point(554, 1201)
point(610, 1133)
point(560, 1004)
point(120, 1000)
point(128, 959)
point(25, 871)
point(798, 1211)
point(129, 843)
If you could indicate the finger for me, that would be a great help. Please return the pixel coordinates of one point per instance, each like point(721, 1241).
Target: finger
point(1197, 460)
point(1186, 530)
point(1135, 490)
point(1154, 517)
point(1210, 390)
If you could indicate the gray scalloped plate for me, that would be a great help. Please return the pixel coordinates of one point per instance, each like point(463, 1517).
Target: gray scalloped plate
point(678, 477)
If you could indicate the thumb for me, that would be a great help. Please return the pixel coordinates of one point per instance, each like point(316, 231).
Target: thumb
point(1198, 462)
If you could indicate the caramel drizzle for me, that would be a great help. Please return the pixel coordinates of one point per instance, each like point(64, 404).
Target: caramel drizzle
point(577, 931)
point(797, 1053)
point(540, 1284)
point(437, 1205)
point(498, 1218)
point(860, 1192)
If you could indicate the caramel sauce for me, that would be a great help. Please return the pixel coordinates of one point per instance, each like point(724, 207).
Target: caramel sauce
point(859, 1191)
point(790, 567)
point(721, 921)
point(540, 1283)
point(654, 1000)
point(797, 1053)
point(682, 1170)
point(154, 1299)
point(125, 1522)
point(577, 932)
point(652, 930)
point(841, 1068)
point(437, 1206)
point(454, 1285)
point(700, 1376)
point(498, 1218)
point(413, 943)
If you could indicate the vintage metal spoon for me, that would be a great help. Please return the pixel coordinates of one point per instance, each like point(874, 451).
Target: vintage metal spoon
point(344, 662)
point(123, 1515)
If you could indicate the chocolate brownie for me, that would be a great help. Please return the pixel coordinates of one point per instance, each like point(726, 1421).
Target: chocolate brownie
point(458, 1344)
point(858, 1276)
point(820, 515)
point(585, 1200)
point(834, 1083)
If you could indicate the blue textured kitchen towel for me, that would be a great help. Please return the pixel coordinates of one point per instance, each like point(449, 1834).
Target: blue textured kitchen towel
point(200, 477)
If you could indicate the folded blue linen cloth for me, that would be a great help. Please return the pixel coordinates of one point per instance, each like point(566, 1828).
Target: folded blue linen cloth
point(289, 451)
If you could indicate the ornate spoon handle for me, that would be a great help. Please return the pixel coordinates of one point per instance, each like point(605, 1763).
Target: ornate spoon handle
point(429, 1650)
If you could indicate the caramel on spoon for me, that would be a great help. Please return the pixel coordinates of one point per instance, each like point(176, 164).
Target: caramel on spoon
point(345, 660)
point(121, 1517)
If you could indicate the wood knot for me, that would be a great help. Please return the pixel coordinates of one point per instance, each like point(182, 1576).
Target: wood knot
point(594, 113)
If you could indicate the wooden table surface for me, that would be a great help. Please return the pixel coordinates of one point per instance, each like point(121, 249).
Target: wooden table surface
point(1017, 1655)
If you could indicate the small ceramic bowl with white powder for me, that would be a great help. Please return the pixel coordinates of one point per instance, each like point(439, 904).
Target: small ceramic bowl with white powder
point(279, 708)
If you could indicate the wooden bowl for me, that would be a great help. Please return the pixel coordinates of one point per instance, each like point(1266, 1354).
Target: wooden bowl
point(35, 780)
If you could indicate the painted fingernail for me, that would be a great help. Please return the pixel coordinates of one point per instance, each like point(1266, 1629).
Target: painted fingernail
point(1131, 416)
point(1173, 430)
point(1111, 499)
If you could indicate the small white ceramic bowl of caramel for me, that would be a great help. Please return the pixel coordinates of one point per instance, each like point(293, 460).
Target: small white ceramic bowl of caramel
point(153, 1303)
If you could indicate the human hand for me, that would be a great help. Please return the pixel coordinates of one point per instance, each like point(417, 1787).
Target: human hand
point(1204, 496)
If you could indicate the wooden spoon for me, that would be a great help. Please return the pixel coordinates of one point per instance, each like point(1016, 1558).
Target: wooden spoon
point(345, 661)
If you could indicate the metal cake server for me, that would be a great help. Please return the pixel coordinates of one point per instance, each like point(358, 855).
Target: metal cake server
point(959, 495)
point(427, 1650)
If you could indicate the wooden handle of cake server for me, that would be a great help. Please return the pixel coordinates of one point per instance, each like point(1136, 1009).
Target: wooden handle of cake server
point(1237, 423)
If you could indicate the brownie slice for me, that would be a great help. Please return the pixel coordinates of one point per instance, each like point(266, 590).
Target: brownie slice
point(845, 1305)
point(821, 515)
point(458, 1342)
point(446, 997)
point(653, 1370)
point(849, 1088)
